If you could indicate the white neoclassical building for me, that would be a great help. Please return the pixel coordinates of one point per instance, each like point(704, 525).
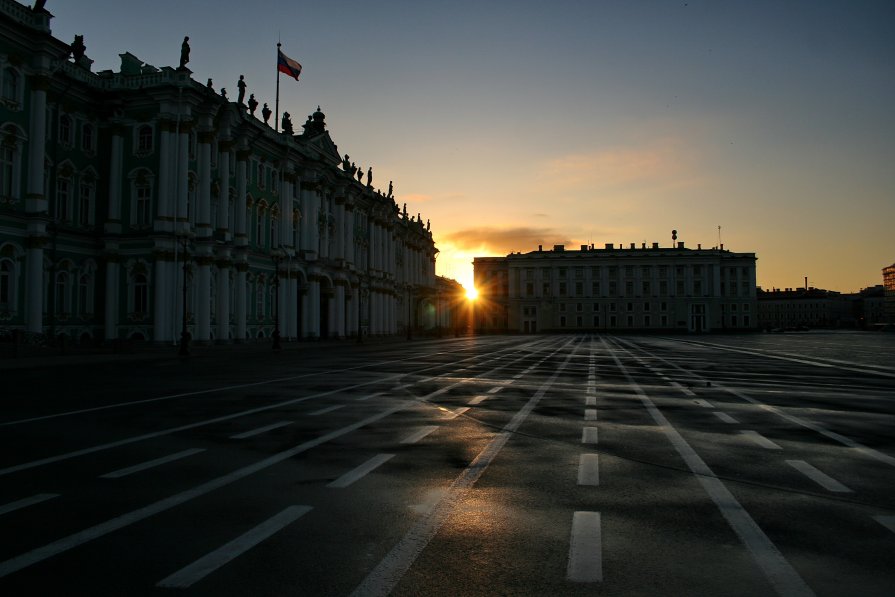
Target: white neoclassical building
point(136, 200)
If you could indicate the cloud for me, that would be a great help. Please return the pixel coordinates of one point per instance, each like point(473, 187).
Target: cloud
point(501, 241)
point(661, 163)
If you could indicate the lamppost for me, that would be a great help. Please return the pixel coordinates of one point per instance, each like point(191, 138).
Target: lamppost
point(276, 255)
point(184, 240)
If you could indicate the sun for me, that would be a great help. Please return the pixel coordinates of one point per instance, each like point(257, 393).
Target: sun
point(472, 293)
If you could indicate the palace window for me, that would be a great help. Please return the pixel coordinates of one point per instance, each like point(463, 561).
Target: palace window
point(61, 294)
point(85, 204)
point(65, 129)
point(144, 139)
point(88, 138)
point(7, 285)
point(11, 85)
point(7, 169)
point(274, 231)
point(85, 295)
point(142, 216)
point(63, 199)
point(140, 296)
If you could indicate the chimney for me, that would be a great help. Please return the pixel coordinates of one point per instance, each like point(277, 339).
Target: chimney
point(699, 246)
point(559, 248)
point(680, 245)
point(655, 245)
point(609, 246)
point(806, 282)
point(540, 248)
point(633, 245)
point(584, 247)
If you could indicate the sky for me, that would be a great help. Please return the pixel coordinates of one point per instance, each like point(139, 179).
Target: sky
point(511, 124)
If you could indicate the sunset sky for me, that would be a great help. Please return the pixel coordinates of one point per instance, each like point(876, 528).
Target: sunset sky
point(516, 123)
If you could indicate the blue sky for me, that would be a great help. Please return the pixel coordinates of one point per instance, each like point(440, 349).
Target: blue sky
point(511, 124)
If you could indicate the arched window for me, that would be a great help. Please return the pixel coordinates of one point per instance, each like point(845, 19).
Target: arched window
point(63, 198)
point(7, 169)
point(274, 229)
point(11, 84)
point(88, 138)
point(259, 297)
point(85, 202)
point(259, 226)
point(141, 198)
point(61, 295)
point(65, 129)
point(85, 294)
point(7, 285)
point(140, 295)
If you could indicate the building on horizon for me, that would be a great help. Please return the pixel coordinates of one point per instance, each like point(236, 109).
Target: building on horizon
point(616, 288)
point(116, 188)
point(889, 290)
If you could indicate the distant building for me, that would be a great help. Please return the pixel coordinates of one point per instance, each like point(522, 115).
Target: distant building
point(118, 187)
point(889, 289)
point(794, 308)
point(616, 289)
point(868, 307)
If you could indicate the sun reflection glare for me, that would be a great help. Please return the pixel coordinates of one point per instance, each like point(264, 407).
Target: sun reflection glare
point(472, 293)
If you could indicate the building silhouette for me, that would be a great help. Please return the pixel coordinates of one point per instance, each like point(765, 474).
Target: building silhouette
point(118, 190)
point(635, 288)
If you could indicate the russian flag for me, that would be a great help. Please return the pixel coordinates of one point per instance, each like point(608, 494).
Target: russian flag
point(287, 65)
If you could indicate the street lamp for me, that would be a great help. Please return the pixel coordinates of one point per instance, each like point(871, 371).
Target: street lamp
point(184, 240)
point(276, 255)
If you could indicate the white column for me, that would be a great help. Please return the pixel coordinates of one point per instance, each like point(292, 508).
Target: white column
point(283, 307)
point(113, 308)
point(286, 230)
point(181, 178)
point(305, 310)
point(355, 310)
point(222, 308)
point(241, 161)
point(339, 305)
point(117, 149)
point(223, 222)
point(203, 294)
point(240, 332)
point(35, 201)
point(164, 173)
point(161, 322)
point(314, 304)
point(203, 192)
point(292, 299)
point(34, 264)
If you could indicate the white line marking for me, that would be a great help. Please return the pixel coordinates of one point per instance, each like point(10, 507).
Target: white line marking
point(230, 551)
point(589, 435)
point(818, 476)
point(495, 390)
point(726, 418)
point(589, 469)
point(150, 464)
point(368, 396)
point(760, 440)
point(361, 471)
point(453, 414)
point(419, 434)
point(260, 430)
point(590, 400)
point(104, 528)
point(703, 403)
point(478, 400)
point(782, 576)
point(430, 500)
point(24, 503)
point(383, 579)
point(886, 521)
point(328, 409)
point(686, 391)
point(585, 549)
point(590, 414)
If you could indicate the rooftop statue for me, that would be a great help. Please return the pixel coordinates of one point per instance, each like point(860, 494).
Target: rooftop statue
point(370, 176)
point(185, 52)
point(265, 113)
point(253, 104)
point(223, 92)
point(286, 124)
point(346, 163)
point(360, 173)
point(209, 85)
point(78, 48)
point(391, 190)
point(242, 88)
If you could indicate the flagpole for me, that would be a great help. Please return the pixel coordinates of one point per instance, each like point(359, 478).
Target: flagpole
point(276, 117)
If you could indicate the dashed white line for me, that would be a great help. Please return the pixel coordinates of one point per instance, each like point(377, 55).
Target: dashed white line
point(886, 521)
point(585, 549)
point(419, 434)
point(703, 403)
point(686, 391)
point(24, 503)
point(590, 414)
point(589, 469)
point(478, 399)
point(453, 414)
point(590, 401)
point(361, 471)
point(328, 409)
point(818, 476)
point(150, 464)
point(759, 440)
point(260, 430)
point(725, 417)
point(589, 435)
point(224, 554)
point(495, 390)
point(368, 396)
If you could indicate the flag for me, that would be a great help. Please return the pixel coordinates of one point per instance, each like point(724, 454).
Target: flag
point(288, 65)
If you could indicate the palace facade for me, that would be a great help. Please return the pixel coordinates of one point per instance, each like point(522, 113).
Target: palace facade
point(127, 197)
point(636, 288)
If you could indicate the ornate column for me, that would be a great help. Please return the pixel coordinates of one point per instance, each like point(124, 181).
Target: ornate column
point(115, 175)
point(204, 260)
point(35, 201)
point(241, 304)
point(113, 306)
point(314, 304)
point(181, 176)
point(165, 177)
point(222, 299)
point(355, 310)
point(291, 304)
point(203, 194)
point(242, 157)
point(223, 223)
point(161, 303)
point(305, 297)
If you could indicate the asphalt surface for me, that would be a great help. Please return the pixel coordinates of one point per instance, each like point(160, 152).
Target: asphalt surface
point(539, 465)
